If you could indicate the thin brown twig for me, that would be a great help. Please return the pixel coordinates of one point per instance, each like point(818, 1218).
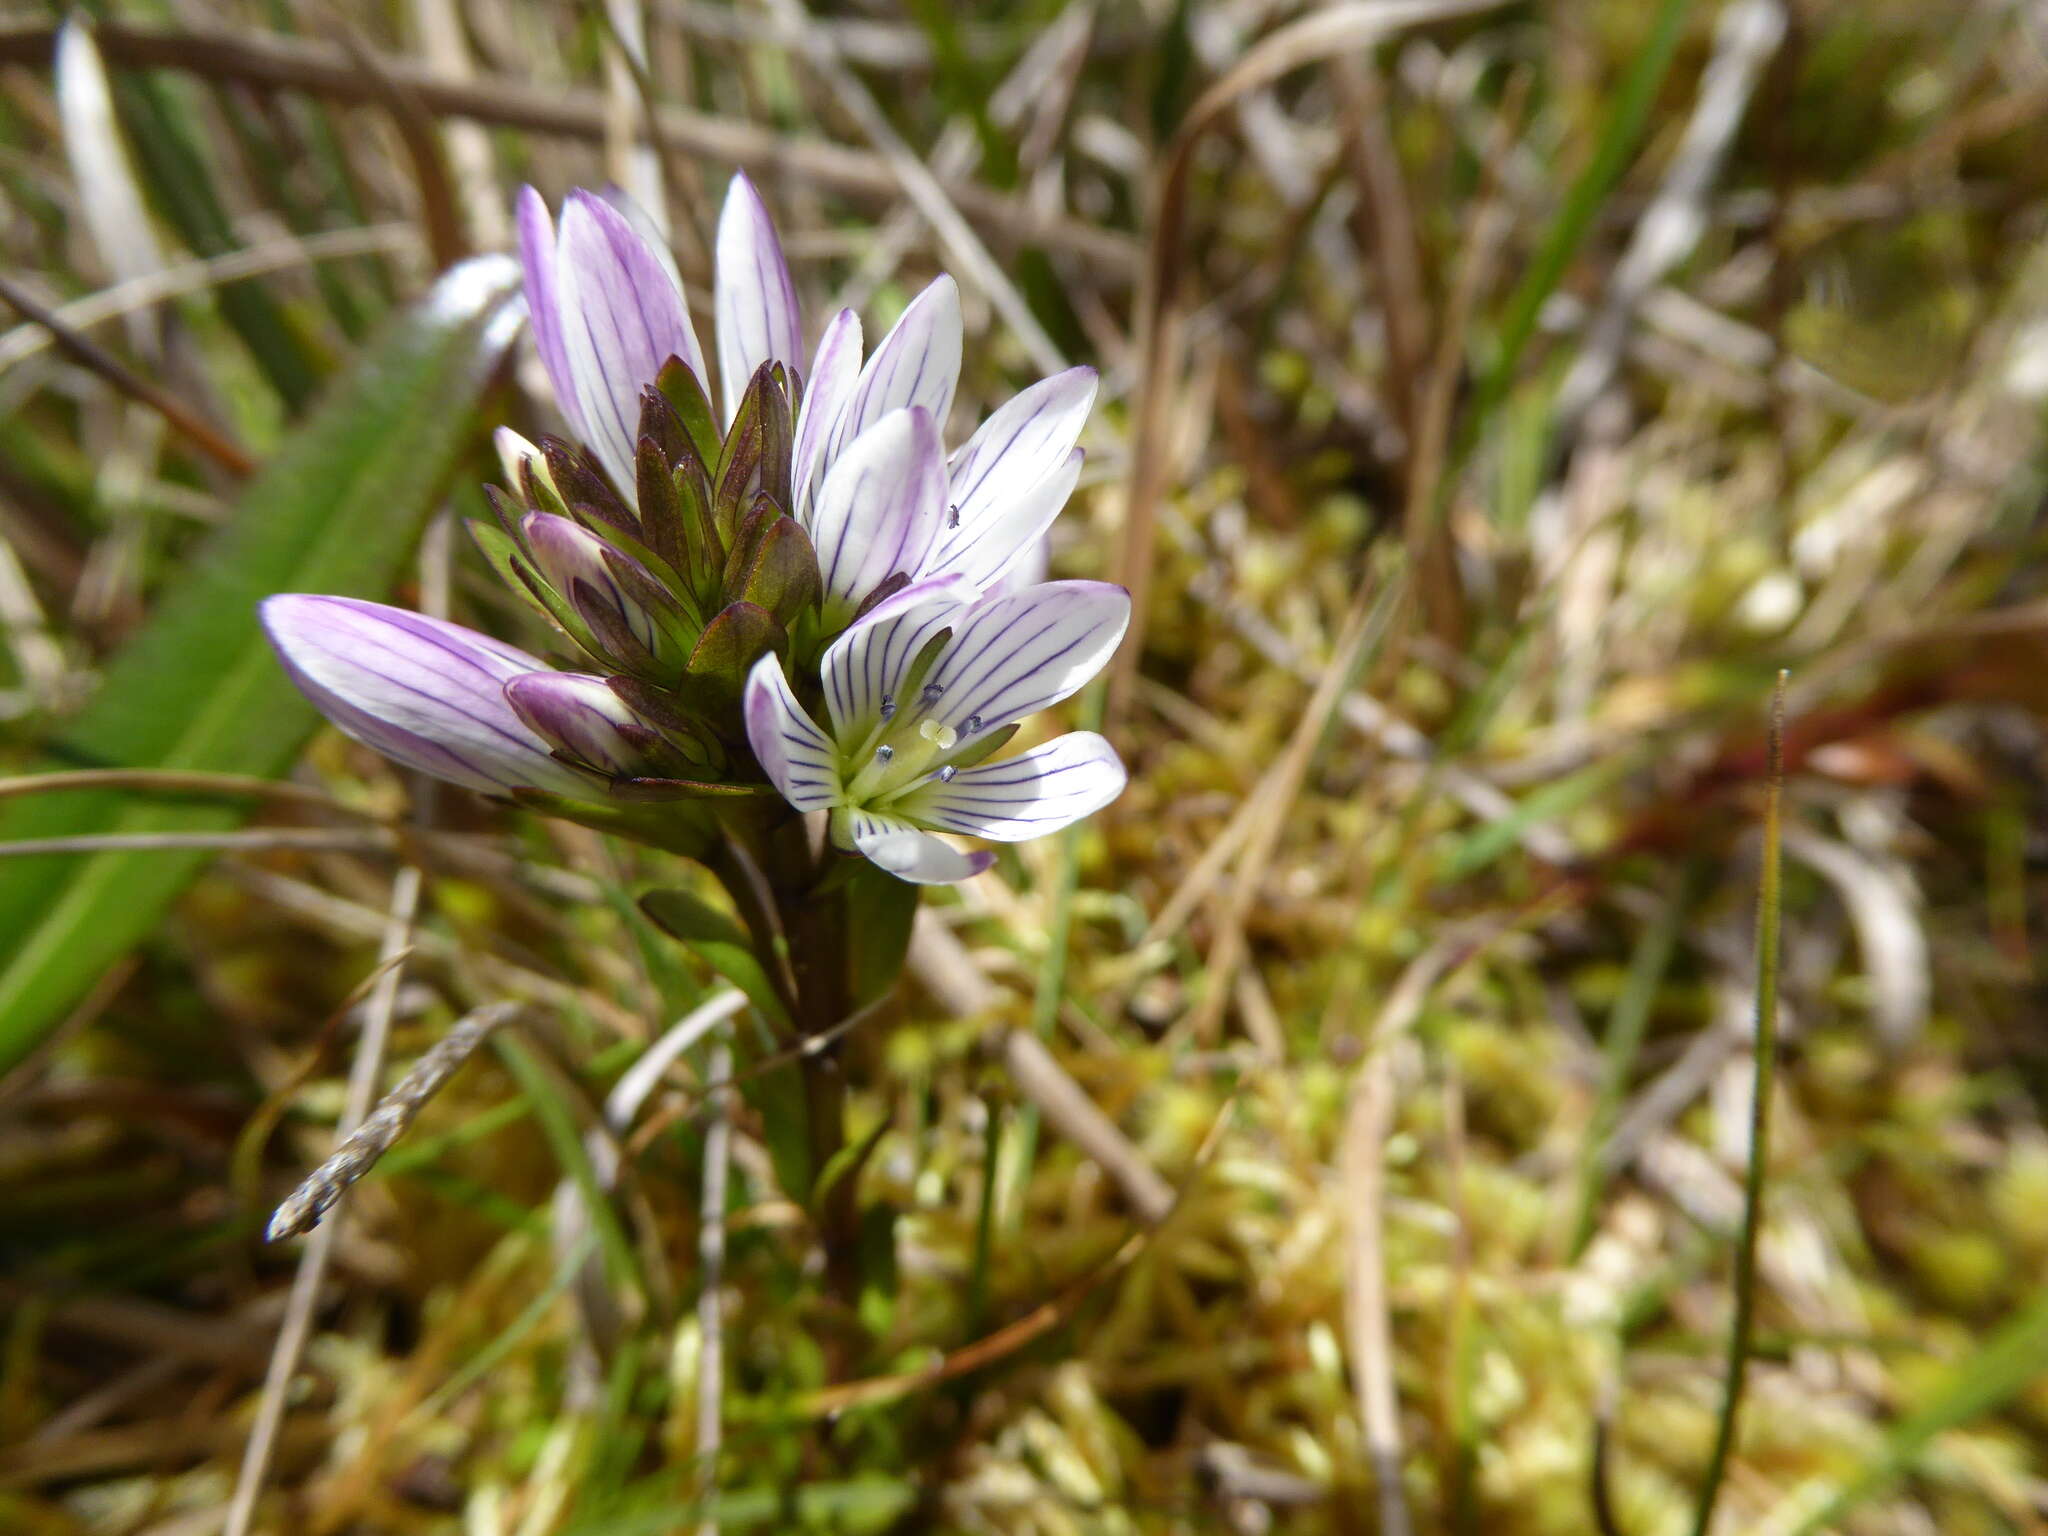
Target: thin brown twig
point(94, 358)
point(280, 63)
point(247, 840)
point(173, 781)
point(1336, 28)
point(920, 186)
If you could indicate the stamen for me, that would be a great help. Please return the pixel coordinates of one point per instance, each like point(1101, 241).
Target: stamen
point(946, 774)
point(931, 693)
point(953, 516)
point(888, 705)
point(970, 725)
point(884, 752)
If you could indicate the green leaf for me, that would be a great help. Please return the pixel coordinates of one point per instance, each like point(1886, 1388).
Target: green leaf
point(732, 642)
point(337, 510)
point(879, 912)
point(720, 942)
point(163, 133)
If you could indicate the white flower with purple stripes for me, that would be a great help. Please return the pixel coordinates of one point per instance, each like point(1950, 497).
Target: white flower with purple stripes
point(917, 698)
point(870, 479)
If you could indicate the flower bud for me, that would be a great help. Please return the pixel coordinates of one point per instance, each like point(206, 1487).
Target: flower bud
point(584, 720)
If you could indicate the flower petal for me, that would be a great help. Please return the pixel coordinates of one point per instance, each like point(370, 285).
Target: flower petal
point(835, 374)
point(544, 300)
point(881, 507)
point(862, 666)
point(1028, 438)
point(1005, 530)
point(622, 317)
point(1025, 796)
point(908, 854)
point(917, 363)
point(1018, 652)
point(758, 320)
point(798, 758)
point(422, 691)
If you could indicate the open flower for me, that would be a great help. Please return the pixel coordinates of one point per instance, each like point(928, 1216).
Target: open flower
point(918, 697)
point(868, 471)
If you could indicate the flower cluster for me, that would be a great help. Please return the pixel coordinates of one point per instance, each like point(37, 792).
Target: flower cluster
point(798, 590)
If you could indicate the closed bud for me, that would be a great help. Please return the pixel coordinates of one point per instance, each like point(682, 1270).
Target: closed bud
point(639, 626)
point(586, 722)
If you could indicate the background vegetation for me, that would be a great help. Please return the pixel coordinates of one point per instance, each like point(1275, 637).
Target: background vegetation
point(1496, 397)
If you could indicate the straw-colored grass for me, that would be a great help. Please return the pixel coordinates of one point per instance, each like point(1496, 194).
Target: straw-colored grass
point(1348, 1130)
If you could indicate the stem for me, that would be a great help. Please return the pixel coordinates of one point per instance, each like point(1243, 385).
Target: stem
point(817, 928)
point(1769, 903)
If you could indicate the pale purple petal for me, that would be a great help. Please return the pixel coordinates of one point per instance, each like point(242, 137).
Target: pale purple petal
point(1028, 438)
point(917, 363)
point(835, 374)
point(1005, 530)
point(622, 318)
point(1022, 797)
point(798, 758)
point(429, 694)
point(651, 234)
point(578, 713)
point(882, 505)
point(1015, 653)
point(544, 300)
point(758, 319)
point(567, 553)
point(861, 667)
point(898, 847)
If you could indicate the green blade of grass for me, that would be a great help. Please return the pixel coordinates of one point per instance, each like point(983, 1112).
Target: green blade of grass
point(1620, 135)
point(337, 510)
point(1769, 904)
point(2012, 1359)
point(1622, 1043)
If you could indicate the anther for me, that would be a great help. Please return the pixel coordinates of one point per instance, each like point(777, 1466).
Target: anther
point(888, 705)
point(946, 774)
point(970, 725)
point(931, 692)
point(884, 752)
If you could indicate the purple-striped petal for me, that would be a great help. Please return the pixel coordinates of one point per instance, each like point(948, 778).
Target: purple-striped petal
point(798, 758)
point(1022, 797)
point(537, 254)
point(881, 507)
point(758, 319)
point(579, 714)
point(908, 854)
point(1015, 653)
point(429, 694)
point(1004, 530)
point(835, 374)
point(1028, 438)
point(622, 318)
point(917, 363)
point(861, 668)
